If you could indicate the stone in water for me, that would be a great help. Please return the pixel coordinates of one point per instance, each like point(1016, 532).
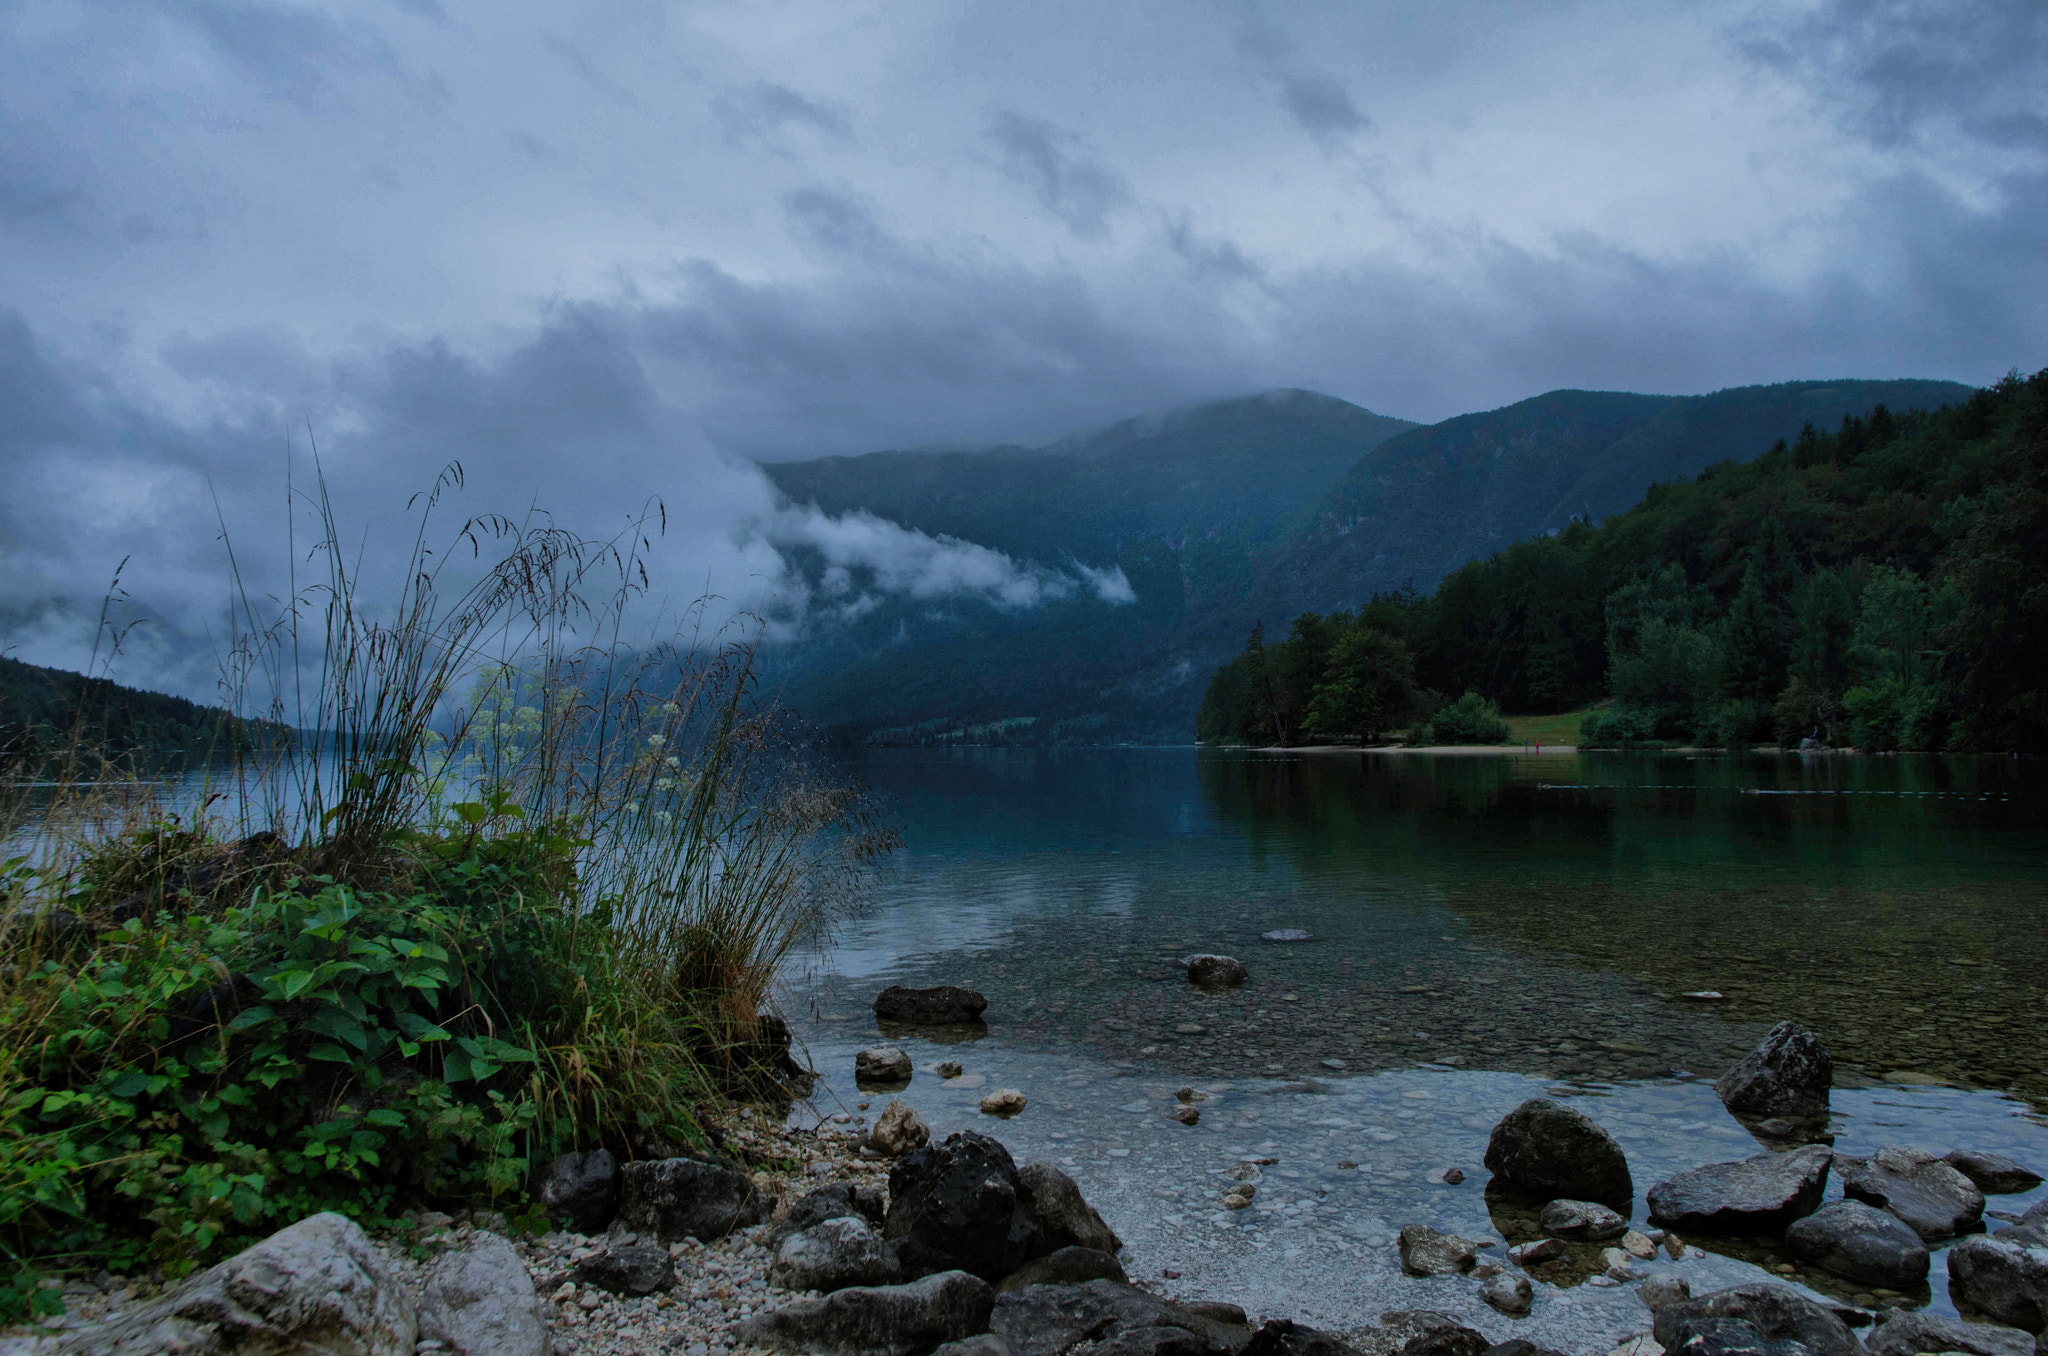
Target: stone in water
point(1287, 935)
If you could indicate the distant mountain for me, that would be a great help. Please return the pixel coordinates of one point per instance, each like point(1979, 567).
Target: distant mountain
point(50, 716)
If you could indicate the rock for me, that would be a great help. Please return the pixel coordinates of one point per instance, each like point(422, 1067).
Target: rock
point(981, 1344)
point(1064, 1216)
point(1789, 1074)
point(631, 1269)
point(1516, 1346)
point(1905, 1334)
point(1287, 935)
point(1425, 1252)
point(1216, 972)
point(1618, 1265)
point(1420, 1332)
point(834, 1254)
point(1642, 1344)
point(1508, 1292)
point(938, 1006)
point(836, 1201)
point(1068, 1266)
point(1003, 1102)
point(1729, 1337)
point(671, 1199)
point(1660, 1291)
point(886, 1320)
point(2026, 1235)
point(881, 1064)
point(2002, 1279)
point(1188, 1095)
point(898, 1130)
point(1931, 1196)
point(961, 1205)
point(1860, 1243)
point(1638, 1246)
point(1536, 1253)
point(1750, 1196)
point(948, 1068)
point(315, 1286)
point(1546, 1149)
point(580, 1191)
point(1778, 1312)
point(1043, 1320)
point(479, 1301)
point(1186, 1115)
point(1285, 1337)
point(1581, 1220)
point(1992, 1174)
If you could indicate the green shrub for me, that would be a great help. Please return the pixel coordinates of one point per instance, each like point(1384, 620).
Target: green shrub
point(1471, 719)
point(1617, 727)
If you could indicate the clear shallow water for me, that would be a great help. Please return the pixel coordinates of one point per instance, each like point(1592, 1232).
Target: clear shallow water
point(1515, 922)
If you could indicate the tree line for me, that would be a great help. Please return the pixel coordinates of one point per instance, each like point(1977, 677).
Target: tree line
point(1881, 586)
point(50, 716)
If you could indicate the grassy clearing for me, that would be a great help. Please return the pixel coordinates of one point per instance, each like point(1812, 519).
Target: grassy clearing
point(519, 886)
point(1547, 730)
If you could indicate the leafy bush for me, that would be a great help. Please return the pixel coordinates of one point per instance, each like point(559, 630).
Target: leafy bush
point(1471, 719)
point(1617, 727)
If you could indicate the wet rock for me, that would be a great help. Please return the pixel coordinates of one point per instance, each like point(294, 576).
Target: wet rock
point(960, 1205)
point(939, 1006)
point(1003, 1102)
point(838, 1200)
point(1936, 1200)
point(671, 1199)
point(832, 1255)
point(1216, 972)
point(1778, 1313)
point(633, 1269)
point(1186, 1115)
point(1420, 1332)
point(1536, 1253)
point(1859, 1242)
point(1546, 1149)
point(1285, 1337)
point(1064, 1215)
point(1189, 1096)
point(1425, 1252)
point(1729, 1337)
point(1638, 1245)
point(1905, 1334)
point(580, 1191)
point(1750, 1196)
point(1581, 1220)
point(1508, 1292)
point(1516, 1346)
point(1067, 1266)
point(898, 1130)
point(1044, 1320)
point(881, 1064)
point(948, 1068)
point(1789, 1074)
point(1660, 1291)
point(1992, 1174)
point(477, 1300)
point(2002, 1279)
point(887, 1320)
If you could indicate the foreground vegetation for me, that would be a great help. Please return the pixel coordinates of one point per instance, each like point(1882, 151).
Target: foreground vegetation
point(1879, 587)
point(438, 943)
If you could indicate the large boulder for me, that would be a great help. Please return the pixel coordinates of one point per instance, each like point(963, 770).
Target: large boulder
point(827, 1202)
point(629, 1269)
point(1729, 1337)
point(1777, 1312)
point(316, 1286)
point(1216, 972)
point(1906, 1334)
point(1789, 1074)
point(1759, 1195)
point(1931, 1196)
point(884, 1320)
point(1067, 1266)
point(1285, 1337)
point(940, 1006)
point(1992, 1174)
point(676, 1198)
point(1047, 1320)
point(477, 1300)
point(1067, 1219)
point(1546, 1149)
point(960, 1205)
point(834, 1254)
point(2003, 1279)
point(1860, 1243)
point(580, 1191)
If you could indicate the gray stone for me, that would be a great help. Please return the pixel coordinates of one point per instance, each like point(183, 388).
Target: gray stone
point(580, 1191)
point(2002, 1279)
point(1860, 1243)
point(1778, 1313)
point(1548, 1150)
point(834, 1254)
point(1425, 1252)
point(2026, 1235)
point(1587, 1220)
point(981, 1344)
point(1285, 1337)
point(479, 1301)
point(1420, 1332)
point(1907, 1334)
point(1992, 1174)
point(1044, 1320)
point(1789, 1074)
point(1516, 1346)
point(630, 1269)
point(1159, 1340)
point(2037, 1213)
point(827, 1202)
point(1661, 1291)
point(1536, 1253)
point(943, 1005)
point(1509, 1292)
point(1067, 1266)
point(898, 1130)
point(881, 1064)
point(315, 1286)
point(1065, 1216)
point(1931, 1196)
point(887, 1320)
point(1729, 1337)
point(961, 1205)
point(1216, 972)
point(671, 1199)
point(1750, 1196)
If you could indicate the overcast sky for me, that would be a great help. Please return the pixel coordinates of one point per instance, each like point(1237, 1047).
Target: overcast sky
point(612, 250)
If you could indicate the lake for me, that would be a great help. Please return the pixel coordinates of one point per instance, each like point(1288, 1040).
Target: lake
point(1485, 927)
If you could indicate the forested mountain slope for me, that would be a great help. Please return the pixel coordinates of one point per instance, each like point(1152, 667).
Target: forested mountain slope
point(46, 714)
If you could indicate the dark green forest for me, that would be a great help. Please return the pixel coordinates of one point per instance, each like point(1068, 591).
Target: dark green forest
point(47, 716)
point(1880, 586)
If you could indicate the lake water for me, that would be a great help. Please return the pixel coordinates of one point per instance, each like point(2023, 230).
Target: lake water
point(1486, 928)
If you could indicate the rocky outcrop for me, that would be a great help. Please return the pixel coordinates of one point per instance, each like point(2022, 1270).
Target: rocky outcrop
point(1931, 1196)
point(1425, 1252)
point(2001, 1278)
point(671, 1199)
point(1751, 1196)
point(1063, 1214)
point(1776, 1312)
point(943, 1005)
point(580, 1191)
point(629, 1269)
point(1587, 1220)
point(1860, 1243)
point(834, 1254)
point(1789, 1075)
point(477, 1300)
point(960, 1205)
point(889, 1320)
point(1992, 1174)
point(898, 1130)
point(1905, 1334)
point(1216, 972)
point(1548, 1150)
point(1067, 1266)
